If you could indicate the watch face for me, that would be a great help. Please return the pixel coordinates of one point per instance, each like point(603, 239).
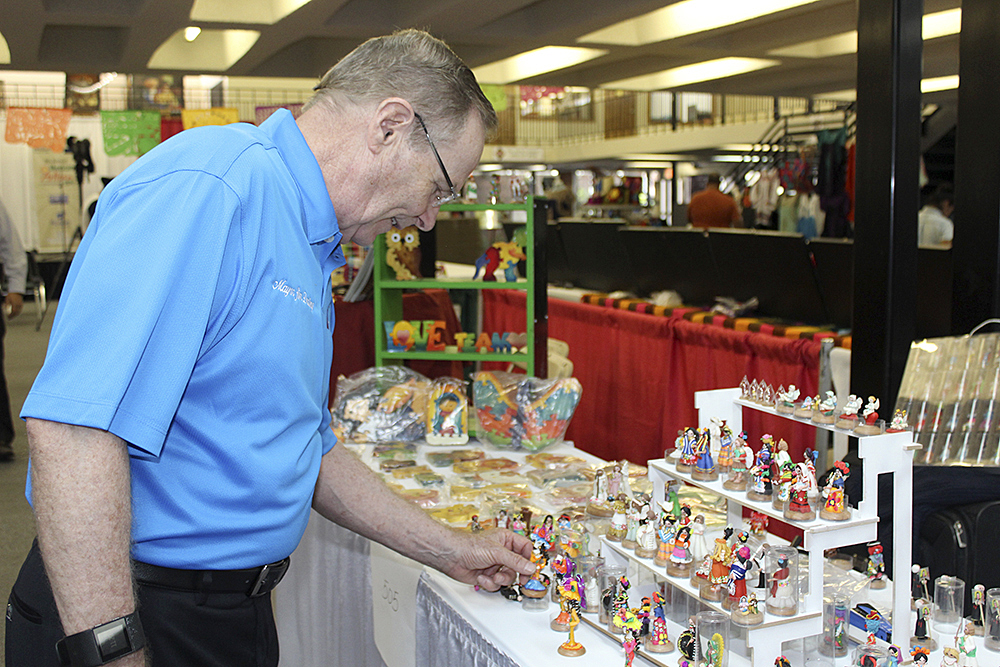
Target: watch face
point(112, 640)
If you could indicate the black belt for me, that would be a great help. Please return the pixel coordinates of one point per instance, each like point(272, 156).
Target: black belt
point(253, 582)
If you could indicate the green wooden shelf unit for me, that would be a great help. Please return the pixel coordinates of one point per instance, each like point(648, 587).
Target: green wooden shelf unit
point(389, 295)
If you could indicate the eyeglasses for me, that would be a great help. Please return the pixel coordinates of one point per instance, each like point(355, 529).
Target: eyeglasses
point(438, 199)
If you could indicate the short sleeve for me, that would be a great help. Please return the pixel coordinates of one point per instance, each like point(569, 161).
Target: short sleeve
point(138, 301)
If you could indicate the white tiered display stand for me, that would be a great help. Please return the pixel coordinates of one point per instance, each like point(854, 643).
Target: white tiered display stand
point(889, 453)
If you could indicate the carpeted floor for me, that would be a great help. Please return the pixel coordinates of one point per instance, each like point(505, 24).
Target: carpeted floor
point(24, 352)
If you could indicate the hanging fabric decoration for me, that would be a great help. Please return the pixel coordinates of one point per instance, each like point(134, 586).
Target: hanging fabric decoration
point(130, 132)
point(39, 128)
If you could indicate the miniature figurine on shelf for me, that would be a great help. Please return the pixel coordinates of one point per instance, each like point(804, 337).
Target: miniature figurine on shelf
point(782, 661)
point(737, 583)
point(630, 624)
point(632, 515)
point(659, 641)
point(714, 651)
point(619, 522)
point(786, 400)
point(474, 525)
point(760, 474)
point(893, 659)
point(754, 395)
point(599, 504)
point(570, 604)
point(876, 566)
point(664, 538)
point(949, 656)
point(742, 459)
point(782, 476)
point(716, 588)
point(688, 458)
point(898, 423)
point(977, 622)
point(867, 423)
point(619, 599)
point(921, 631)
point(704, 467)
point(537, 585)
point(835, 507)
point(966, 645)
point(687, 645)
point(767, 395)
point(872, 622)
point(680, 556)
point(799, 507)
point(807, 407)
point(746, 611)
point(725, 458)
point(848, 418)
point(809, 457)
point(645, 537)
point(544, 534)
point(782, 595)
point(699, 545)
point(921, 655)
point(825, 409)
point(745, 388)
point(518, 524)
point(758, 523)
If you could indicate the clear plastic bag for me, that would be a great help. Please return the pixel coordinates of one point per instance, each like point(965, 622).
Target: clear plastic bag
point(381, 404)
point(517, 411)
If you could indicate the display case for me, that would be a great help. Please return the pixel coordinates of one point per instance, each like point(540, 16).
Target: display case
point(389, 295)
point(890, 453)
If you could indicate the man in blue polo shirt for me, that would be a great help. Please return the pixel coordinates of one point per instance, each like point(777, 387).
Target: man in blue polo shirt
point(179, 439)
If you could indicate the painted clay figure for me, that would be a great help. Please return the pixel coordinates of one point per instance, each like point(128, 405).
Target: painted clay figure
point(725, 458)
point(782, 476)
point(632, 516)
point(782, 594)
point(737, 583)
point(687, 458)
point(966, 645)
point(715, 591)
point(786, 400)
point(848, 418)
point(977, 622)
point(760, 474)
point(664, 539)
point(600, 500)
point(680, 556)
point(659, 641)
point(867, 424)
point(742, 459)
point(825, 409)
point(570, 603)
point(687, 644)
point(619, 522)
point(799, 508)
point(699, 545)
point(898, 422)
point(835, 507)
point(645, 539)
point(921, 655)
point(876, 566)
point(704, 468)
point(807, 407)
point(921, 631)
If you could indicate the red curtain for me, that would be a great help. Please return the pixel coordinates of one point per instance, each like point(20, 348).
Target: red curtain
point(639, 373)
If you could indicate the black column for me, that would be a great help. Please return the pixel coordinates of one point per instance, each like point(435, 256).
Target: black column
point(887, 194)
point(976, 248)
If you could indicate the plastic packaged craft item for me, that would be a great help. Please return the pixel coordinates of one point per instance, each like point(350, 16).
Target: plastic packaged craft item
point(409, 472)
point(455, 515)
point(444, 459)
point(504, 477)
point(545, 478)
point(426, 498)
point(381, 404)
point(518, 411)
point(507, 492)
point(553, 461)
point(396, 464)
point(429, 479)
point(447, 413)
point(573, 495)
point(394, 450)
point(481, 465)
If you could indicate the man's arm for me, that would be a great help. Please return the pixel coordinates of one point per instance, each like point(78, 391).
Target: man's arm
point(349, 493)
point(81, 496)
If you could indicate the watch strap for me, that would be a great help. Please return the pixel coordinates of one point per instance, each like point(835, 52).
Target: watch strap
point(102, 644)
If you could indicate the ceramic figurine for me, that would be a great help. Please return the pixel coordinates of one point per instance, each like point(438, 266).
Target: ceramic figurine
point(687, 459)
point(825, 409)
point(921, 631)
point(619, 523)
point(537, 585)
point(687, 644)
point(782, 476)
point(977, 622)
point(949, 657)
point(760, 474)
point(966, 645)
point(725, 459)
point(867, 423)
point(782, 661)
point(746, 611)
point(664, 539)
point(679, 564)
point(742, 459)
point(714, 651)
point(645, 546)
point(544, 534)
point(659, 641)
point(619, 600)
point(921, 655)
point(799, 507)
point(701, 573)
point(628, 621)
point(786, 400)
point(758, 523)
point(782, 600)
point(518, 524)
point(872, 622)
point(502, 519)
point(767, 395)
point(737, 583)
point(744, 388)
point(754, 394)
point(716, 588)
point(898, 423)
point(894, 657)
point(876, 566)
point(474, 525)
point(632, 516)
point(600, 504)
point(704, 467)
point(806, 407)
point(835, 507)
point(699, 545)
point(570, 604)
point(809, 458)
point(848, 418)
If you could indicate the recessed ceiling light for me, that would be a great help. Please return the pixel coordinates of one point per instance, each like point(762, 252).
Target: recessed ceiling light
point(4, 51)
point(686, 17)
point(191, 33)
point(939, 83)
point(533, 63)
point(694, 73)
point(264, 12)
point(214, 50)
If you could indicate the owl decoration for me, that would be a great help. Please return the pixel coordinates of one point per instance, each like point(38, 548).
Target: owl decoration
point(402, 252)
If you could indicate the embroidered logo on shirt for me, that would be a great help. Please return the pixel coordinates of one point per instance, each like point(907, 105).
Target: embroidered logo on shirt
point(289, 291)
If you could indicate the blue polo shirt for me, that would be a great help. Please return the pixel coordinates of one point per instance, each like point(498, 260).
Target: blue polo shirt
point(196, 324)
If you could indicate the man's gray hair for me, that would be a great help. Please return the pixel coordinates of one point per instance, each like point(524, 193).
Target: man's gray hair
point(417, 67)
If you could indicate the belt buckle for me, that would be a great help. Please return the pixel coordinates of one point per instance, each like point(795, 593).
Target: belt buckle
point(269, 577)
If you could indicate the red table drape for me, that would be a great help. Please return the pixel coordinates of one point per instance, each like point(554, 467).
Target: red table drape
point(639, 373)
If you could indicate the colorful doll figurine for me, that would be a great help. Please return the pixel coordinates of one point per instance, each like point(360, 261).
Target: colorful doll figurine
point(699, 545)
point(949, 657)
point(619, 520)
point(600, 504)
point(760, 474)
point(632, 515)
point(798, 507)
point(716, 588)
point(835, 507)
point(544, 534)
point(737, 583)
point(742, 459)
point(725, 458)
point(659, 641)
point(627, 620)
point(537, 585)
point(680, 556)
point(781, 599)
point(758, 523)
point(876, 566)
point(921, 631)
point(786, 400)
point(518, 525)
point(966, 645)
point(687, 644)
point(782, 476)
point(894, 655)
point(664, 538)
point(977, 622)
point(687, 459)
point(807, 407)
point(898, 423)
point(704, 467)
point(714, 651)
point(867, 423)
point(825, 409)
point(645, 538)
point(502, 519)
point(618, 602)
point(782, 661)
point(848, 418)
point(570, 604)
point(921, 655)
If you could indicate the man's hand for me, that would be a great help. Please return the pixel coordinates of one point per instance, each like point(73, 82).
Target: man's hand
point(490, 559)
point(13, 304)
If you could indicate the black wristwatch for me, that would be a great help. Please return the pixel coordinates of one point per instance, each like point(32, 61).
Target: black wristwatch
point(102, 644)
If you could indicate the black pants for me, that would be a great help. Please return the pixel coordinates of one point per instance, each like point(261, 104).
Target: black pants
point(6, 420)
point(183, 628)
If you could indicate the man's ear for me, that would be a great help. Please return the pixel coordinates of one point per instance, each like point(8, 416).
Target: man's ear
point(390, 123)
